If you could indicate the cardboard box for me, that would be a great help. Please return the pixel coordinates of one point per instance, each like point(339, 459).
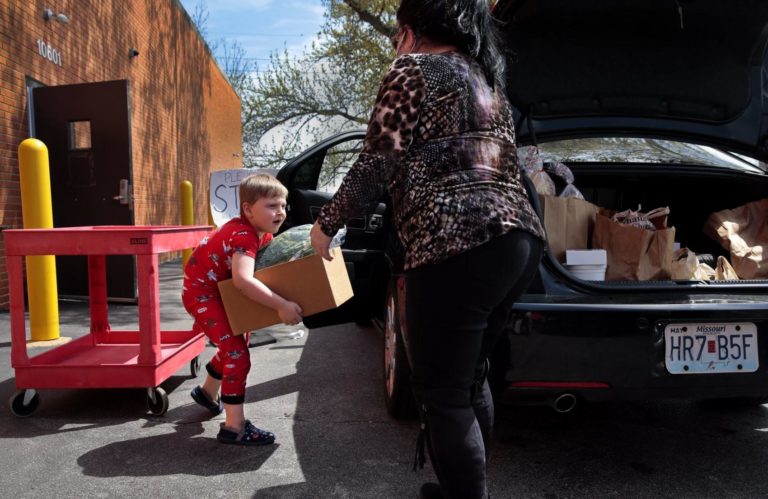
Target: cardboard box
point(314, 283)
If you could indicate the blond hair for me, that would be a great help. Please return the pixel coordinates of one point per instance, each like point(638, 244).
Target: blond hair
point(257, 186)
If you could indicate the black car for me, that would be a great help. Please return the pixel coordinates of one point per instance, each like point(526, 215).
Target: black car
point(650, 103)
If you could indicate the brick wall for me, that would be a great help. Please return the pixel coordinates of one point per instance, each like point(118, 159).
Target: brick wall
point(185, 117)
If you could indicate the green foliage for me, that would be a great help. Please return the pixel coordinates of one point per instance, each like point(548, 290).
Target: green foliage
point(289, 245)
point(293, 102)
point(337, 162)
point(331, 87)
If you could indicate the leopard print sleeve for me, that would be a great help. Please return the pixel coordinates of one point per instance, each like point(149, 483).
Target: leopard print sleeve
point(389, 134)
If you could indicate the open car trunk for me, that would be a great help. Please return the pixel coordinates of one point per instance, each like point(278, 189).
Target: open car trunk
point(692, 193)
point(686, 69)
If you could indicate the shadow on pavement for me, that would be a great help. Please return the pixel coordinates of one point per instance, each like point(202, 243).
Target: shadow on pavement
point(643, 449)
point(184, 451)
point(346, 443)
point(336, 439)
point(70, 410)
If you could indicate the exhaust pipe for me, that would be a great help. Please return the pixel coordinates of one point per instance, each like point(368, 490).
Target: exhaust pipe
point(563, 403)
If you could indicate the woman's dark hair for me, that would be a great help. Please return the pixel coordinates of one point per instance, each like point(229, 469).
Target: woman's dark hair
point(467, 24)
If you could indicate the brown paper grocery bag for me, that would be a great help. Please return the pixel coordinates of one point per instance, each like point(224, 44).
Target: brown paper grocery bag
point(634, 254)
point(724, 271)
point(568, 222)
point(704, 272)
point(652, 220)
point(744, 232)
point(684, 265)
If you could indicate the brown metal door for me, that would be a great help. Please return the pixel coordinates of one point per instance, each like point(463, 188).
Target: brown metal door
point(88, 133)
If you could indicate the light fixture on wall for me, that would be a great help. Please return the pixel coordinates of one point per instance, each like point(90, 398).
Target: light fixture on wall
point(48, 14)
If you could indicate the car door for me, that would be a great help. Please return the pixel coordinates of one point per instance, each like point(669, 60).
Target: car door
point(312, 178)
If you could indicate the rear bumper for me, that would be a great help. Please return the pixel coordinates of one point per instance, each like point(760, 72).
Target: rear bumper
point(613, 355)
point(514, 395)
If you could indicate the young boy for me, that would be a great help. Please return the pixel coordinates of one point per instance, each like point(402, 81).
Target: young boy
point(230, 252)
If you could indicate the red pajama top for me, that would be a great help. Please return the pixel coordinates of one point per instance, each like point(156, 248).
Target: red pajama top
point(211, 261)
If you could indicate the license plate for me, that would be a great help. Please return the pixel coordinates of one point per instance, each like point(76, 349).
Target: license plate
point(696, 348)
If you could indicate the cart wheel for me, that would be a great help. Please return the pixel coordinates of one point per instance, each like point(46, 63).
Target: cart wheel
point(194, 367)
point(24, 402)
point(157, 401)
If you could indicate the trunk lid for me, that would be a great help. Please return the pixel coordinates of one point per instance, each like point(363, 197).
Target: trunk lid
point(688, 70)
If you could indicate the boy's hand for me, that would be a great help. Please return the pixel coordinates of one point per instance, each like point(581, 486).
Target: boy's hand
point(320, 242)
point(290, 313)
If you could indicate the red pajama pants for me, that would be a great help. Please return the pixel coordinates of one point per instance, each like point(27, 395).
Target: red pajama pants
point(232, 360)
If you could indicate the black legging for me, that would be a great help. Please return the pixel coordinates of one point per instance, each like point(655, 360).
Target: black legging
point(456, 311)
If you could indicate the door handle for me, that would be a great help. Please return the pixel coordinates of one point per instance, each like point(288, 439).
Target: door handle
point(124, 195)
point(375, 222)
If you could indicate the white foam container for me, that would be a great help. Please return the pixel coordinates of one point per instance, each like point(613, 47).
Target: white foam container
point(588, 272)
point(586, 257)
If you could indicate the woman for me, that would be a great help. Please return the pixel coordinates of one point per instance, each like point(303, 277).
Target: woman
point(441, 141)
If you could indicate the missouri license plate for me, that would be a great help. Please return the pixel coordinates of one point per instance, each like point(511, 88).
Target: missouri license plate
point(696, 348)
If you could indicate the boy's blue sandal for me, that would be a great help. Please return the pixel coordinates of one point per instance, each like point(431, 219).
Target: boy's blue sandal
point(249, 436)
point(202, 398)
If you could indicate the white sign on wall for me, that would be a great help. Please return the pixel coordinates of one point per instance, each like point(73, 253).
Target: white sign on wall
point(225, 202)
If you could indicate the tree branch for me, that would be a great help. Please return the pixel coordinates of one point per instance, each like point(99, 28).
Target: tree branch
point(372, 19)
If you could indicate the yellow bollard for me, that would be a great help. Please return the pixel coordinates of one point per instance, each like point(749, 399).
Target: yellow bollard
point(210, 215)
point(37, 213)
point(187, 214)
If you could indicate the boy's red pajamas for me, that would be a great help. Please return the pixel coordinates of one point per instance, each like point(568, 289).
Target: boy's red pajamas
point(210, 263)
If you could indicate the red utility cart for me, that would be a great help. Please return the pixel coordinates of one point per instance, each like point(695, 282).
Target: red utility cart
point(103, 358)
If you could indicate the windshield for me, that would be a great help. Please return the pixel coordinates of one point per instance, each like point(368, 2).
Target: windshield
point(641, 150)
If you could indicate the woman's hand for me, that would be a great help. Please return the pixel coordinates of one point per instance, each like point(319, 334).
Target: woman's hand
point(290, 313)
point(320, 242)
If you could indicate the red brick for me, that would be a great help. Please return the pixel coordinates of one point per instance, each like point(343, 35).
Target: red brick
point(193, 128)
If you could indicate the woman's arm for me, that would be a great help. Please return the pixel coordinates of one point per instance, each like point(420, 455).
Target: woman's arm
point(242, 276)
point(390, 133)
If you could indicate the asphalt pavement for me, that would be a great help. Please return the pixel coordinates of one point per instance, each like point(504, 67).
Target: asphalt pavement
point(322, 395)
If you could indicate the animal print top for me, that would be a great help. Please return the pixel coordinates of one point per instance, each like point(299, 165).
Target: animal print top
point(443, 143)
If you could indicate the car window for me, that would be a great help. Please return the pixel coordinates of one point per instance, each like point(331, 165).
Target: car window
point(338, 160)
point(642, 150)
